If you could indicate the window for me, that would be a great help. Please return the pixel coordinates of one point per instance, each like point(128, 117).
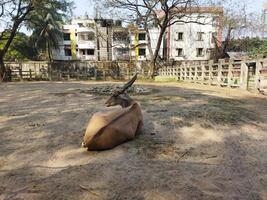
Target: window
point(122, 51)
point(180, 36)
point(90, 25)
point(90, 52)
point(214, 37)
point(80, 25)
point(215, 21)
point(66, 36)
point(200, 52)
point(83, 52)
point(120, 36)
point(87, 37)
point(200, 36)
point(141, 52)
point(141, 36)
point(67, 52)
point(180, 52)
point(91, 36)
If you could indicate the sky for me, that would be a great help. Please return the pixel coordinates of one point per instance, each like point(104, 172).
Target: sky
point(83, 6)
point(87, 6)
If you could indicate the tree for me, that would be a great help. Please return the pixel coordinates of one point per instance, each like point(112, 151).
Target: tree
point(237, 23)
point(157, 13)
point(47, 33)
point(20, 49)
point(16, 13)
point(259, 48)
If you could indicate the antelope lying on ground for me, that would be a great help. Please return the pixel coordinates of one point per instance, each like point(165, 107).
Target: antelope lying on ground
point(109, 129)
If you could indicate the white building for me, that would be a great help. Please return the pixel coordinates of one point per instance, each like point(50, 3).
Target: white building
point(106, 39)
point(139, 43)
point(93, 39)
point(195, 40)
point(192, 39)
point(78, 41)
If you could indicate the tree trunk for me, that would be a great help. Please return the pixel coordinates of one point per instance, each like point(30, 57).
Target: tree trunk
point(153, 62)
point(17, 21)
point(5, 49)
point(2, 69)
point(49, 52)
point(152, 68)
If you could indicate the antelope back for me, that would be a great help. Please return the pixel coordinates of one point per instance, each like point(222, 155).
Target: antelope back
point(122, 128)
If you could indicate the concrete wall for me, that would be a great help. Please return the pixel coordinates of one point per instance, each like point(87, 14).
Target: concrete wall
point(225, 73)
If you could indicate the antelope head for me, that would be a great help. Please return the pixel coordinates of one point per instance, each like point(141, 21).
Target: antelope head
point(120, 97)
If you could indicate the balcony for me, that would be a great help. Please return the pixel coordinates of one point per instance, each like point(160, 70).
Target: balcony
point(83, 44)
point(85, 30)
point(142, 42)
point(120, 44)
point(86, 57)
point(67, 42)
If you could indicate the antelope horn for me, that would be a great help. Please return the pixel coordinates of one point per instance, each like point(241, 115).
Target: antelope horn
point(129, 84)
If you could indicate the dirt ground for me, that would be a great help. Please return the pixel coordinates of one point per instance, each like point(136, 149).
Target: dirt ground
point(198, 142)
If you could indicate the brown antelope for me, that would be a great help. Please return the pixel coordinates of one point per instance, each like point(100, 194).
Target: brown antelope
point(109, 129)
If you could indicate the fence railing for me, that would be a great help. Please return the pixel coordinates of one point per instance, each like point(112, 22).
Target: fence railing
point(68, 70)
point(245, 74)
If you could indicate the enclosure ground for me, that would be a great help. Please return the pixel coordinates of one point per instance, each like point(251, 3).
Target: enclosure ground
point(198, 142)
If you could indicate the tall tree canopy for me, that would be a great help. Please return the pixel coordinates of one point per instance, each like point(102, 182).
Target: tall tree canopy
point(20, 49)
point(16, 13)
point(238, 22)
point(46, 26)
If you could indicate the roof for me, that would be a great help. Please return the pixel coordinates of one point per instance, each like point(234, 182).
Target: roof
point(237, 55)
point(210, 9)
point(199, 10)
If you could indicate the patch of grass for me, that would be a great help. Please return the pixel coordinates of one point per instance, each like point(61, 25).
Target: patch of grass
point(166, 78)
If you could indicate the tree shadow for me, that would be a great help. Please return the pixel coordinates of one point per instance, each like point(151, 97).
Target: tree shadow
point(193, 146)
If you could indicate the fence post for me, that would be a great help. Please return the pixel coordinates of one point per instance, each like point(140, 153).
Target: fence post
point(30, 74)
point(189, 70)
point(95, 73)
point(49, 71)
point(202, 73)
point(244, 76)
point(68, 75)
point(9, 74)
point(259, 66)
point(230, 74)
point(220, 71)
point(210, 71)
point(20, 74)
point(104, 74)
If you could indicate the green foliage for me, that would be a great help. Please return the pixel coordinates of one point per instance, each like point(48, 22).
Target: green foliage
point(46, 24)
point(41, 17)
point(47, 34)
point(259, 50)
point(254, 46)
point(166, 78)
point(20, 48)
